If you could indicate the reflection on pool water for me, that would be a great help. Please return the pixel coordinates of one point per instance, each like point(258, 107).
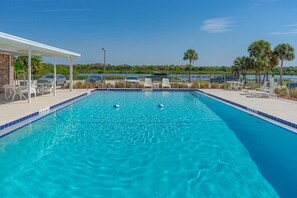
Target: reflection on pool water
point(192, 147)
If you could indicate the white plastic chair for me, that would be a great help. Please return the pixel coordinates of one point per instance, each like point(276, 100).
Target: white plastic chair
point(24, 90)
point(148, 83)
point(266, 92)
point(165, 83)
point(48, 88)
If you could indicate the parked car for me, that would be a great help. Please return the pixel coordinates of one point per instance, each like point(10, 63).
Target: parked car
point(49, 78)
point(158, 76)
point(94, 79)
point(222, 79)
point(132, 79)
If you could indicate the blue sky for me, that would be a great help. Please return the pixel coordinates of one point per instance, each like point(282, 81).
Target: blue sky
point(152, 31)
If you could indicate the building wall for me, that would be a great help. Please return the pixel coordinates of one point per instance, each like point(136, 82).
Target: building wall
point(6, 73)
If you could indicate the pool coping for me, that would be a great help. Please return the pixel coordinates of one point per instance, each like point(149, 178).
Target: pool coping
point(292, 127)
point(10, 127)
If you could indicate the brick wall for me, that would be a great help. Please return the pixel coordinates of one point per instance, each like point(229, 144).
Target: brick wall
point(6, 77)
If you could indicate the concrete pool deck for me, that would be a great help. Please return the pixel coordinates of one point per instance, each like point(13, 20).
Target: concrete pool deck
point(281, 108)
point(13, 110)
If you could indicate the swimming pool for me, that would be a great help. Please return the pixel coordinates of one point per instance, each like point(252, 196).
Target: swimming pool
point(192, 147)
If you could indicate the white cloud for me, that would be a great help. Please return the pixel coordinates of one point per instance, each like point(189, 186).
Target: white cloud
point(294, 31)
point(292, 25)
point(218, 25)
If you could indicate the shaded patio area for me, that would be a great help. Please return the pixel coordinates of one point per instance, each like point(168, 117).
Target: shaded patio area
point(12, 46)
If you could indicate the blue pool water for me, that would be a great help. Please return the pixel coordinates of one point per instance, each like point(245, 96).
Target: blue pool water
point(192, 147)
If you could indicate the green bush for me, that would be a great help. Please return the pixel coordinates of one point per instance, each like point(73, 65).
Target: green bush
point(226, 86)
point(293, 93)
point(108, 85)
point(78, 85)
point(139, 85)
point(178, 85)
point(204, 85)
point(119, 84)
point(281, 92)
point(215, 85)
point(195, 84)
point(254, 86)
point(89, 85)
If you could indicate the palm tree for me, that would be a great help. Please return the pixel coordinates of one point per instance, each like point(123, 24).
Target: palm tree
point(259, 52)
point(284, 52)
point(22, 62)
point(192, 56)
point(240, 66)
point(273, 62)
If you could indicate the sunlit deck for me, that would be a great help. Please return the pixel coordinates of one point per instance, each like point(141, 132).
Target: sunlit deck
point(281, 108)
point(12, 110)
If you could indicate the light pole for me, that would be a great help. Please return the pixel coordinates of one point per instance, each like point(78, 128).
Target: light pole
point(104, 55)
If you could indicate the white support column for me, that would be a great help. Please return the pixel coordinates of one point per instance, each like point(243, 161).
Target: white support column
point(55, 76)
point(71, 74)
point(29, 75)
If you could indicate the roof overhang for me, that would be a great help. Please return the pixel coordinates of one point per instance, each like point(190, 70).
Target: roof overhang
point(20, 46)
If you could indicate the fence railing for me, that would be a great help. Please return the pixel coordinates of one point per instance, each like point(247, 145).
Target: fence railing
point(177, 80)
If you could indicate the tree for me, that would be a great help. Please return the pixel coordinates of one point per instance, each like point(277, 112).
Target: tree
point(284, 52)
point(192, 56)
point(259, 53)
point(273, 62)
point(22, 63)
point(240, 66)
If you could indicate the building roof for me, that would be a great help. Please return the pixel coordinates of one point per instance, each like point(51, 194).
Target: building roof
point(20, 46)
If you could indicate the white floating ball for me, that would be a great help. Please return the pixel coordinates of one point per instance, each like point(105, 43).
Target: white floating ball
point(116, 106)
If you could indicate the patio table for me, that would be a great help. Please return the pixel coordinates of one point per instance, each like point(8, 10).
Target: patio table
point(10, 91)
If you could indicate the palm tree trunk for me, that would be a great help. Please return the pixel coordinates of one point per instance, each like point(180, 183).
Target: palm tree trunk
point(263, 80)
point(190, 71)
point(281, 73)
point(244, 76)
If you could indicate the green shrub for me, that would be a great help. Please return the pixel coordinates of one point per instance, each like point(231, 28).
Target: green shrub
point(99, 85)
point(119, 84)
point(281, 92)
point(89, 85)
point(139, 85)
point(215, 85)
point(182, 85)
point(226, 86)
point(178, 85)
point(293, 93)
point(204, 85)
point(78, 85)
point(254, 86)
point(129, 85)
point(108, 85)
point(195, 84)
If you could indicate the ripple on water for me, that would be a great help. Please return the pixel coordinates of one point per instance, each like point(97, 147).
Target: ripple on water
point(90, 149)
